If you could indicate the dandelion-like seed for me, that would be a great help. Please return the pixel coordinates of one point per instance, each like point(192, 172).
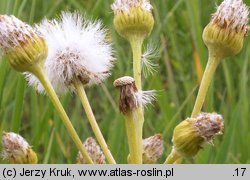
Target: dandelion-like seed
point(148, 66)
point(78, 51)
point(17, 150)
point(152, 149)
point(24, 47)
point(94, 151)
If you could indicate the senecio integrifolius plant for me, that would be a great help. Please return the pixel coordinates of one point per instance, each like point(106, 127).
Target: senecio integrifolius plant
point(26, 51)
point(79, 55)
point(224, 37)
point(70, 53)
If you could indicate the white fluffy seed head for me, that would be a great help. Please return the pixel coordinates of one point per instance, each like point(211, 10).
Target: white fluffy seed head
point(126, 5)
point(14, 145)
point(232, 14)
point(94, 152)
point(78, 50)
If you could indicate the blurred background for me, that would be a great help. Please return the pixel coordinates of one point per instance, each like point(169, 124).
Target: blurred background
point(181, 59)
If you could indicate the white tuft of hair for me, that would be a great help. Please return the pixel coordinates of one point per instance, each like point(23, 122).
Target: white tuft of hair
point(150, 54)
point(126, 5)
point(77, 49)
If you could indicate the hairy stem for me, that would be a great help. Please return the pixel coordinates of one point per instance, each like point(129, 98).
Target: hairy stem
point(90, 115)
point(136, 45)
point(38, 72)
point(212, 65)
point(133, 126)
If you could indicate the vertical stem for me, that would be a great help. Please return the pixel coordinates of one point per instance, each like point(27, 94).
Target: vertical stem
point(85, 102)
point(134, 138)
point(136, 45)
point(58, 106)
point(172, 157)
point(212, 64)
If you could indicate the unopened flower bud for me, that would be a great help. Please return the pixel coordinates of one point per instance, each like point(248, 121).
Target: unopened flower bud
point(152, 149)
point(133, 17)
point(225, 33)
point(192, 133)
point(16, 149)
point(94, 152)
point(18, 41)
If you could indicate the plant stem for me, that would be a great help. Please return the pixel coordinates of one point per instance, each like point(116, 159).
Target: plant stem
point(136, 45)
point(85, 103)
point(172, 157)
point(134, 137)
point(38, 72)
point(212, 64)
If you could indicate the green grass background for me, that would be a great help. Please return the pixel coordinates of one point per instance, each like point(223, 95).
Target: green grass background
point(177, 33)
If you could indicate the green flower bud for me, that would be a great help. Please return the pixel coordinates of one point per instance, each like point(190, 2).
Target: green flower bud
point(133, 17)
point(190, 135)
point(225, 33)
point(16, 149)
point(23, 47)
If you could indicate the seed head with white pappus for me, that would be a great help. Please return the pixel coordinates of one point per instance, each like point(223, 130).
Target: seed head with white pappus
point(21, 44)
point(16, 149)
point(225, 33)
point(192, 133)
point(133, 17)
point(78, 51)
point(94, 151)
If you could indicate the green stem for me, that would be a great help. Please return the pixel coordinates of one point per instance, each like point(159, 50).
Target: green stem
point(85, 102)
point(134, 137)
point(212, 64)
point(136, 45)
point(38, 72)
point(172, 157)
